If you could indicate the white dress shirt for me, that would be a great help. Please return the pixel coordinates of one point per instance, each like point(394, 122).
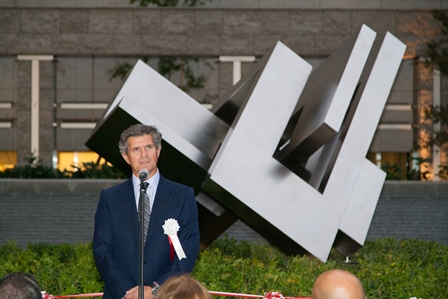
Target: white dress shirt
point(151, 191)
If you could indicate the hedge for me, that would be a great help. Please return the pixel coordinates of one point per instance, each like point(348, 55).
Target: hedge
point(388, 268)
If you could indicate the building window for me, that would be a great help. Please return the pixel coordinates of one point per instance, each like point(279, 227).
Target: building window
point(8, 159)
point(72, 160)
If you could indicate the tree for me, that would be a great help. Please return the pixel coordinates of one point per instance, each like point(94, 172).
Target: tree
point(437, 49)
point(167, 66)
point(437, 52)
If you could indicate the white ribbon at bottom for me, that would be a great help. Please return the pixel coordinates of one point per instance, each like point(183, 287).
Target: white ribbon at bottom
point(170, 228)
point(177, 247)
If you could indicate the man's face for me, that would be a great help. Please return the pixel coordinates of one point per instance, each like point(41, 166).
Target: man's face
point(142, 154)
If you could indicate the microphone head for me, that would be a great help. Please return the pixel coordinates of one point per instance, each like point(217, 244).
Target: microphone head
point(143, 174)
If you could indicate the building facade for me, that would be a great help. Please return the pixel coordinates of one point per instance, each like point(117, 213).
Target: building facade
point(63, 62)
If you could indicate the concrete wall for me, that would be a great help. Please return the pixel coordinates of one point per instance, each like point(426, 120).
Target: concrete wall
point(61, 211)
point(201, 32)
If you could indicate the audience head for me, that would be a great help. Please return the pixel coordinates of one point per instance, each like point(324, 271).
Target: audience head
point(183, 287)
point(337, 284)
point(19, 285)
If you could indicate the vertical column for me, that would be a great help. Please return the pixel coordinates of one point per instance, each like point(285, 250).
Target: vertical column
point(436, 102)
point(35, 59)
point(236, 60)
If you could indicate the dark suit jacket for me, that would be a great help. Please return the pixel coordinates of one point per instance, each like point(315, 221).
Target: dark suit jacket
point(116, 236)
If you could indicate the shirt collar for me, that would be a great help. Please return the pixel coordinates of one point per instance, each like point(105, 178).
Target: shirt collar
point(153, 181)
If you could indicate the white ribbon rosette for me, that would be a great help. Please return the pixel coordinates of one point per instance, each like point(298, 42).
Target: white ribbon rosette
point(170, 228)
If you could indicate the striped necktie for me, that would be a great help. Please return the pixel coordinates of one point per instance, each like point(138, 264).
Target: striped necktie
point(146, 211)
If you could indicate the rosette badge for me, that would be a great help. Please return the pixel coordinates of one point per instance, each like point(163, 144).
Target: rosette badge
point(170, 228)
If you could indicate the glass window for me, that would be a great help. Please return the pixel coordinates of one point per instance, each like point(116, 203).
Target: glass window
point(8, 159)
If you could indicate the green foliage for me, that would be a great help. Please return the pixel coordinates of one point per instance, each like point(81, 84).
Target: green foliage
point(394, 172)
point(437, 53)
point(192, 80)
point(60, 269)
point(416, 174)
point(91, 170)
point(36, 170)
point(388, 268)
point(166, 66)
point(438, 115)
point(245, 267)
point(443, 172)
point(392, 268)
point(437, 49)
point(122, 69)
point(168, 2)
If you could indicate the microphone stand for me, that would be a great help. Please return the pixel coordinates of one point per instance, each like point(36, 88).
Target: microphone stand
point(141, 293)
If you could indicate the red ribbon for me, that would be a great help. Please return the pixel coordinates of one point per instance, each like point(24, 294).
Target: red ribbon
point(48, 296)
point(171, 249)
point(270, 295)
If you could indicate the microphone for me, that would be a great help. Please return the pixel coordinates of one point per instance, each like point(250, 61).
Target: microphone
point(143, 174)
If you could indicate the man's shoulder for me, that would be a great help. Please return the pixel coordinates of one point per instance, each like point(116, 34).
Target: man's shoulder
point(168, 185)
point(172, 184)
point(120, 186)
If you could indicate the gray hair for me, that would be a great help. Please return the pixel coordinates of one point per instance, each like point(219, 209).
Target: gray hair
point(19, 285)
point(139, 130)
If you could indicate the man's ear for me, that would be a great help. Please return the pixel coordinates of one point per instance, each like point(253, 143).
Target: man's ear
point(125, 157)
point(159, 149)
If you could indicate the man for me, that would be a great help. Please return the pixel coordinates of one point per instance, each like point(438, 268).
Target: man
point(19, 285)
point(117, 228)
point(337, 284)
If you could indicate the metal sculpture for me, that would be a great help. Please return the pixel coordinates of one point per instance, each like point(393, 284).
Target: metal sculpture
point(284, 151)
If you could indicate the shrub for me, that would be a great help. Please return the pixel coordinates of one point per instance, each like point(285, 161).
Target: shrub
point(388, 268)
point(35, 169)
point(92, 170)
point(60, 269)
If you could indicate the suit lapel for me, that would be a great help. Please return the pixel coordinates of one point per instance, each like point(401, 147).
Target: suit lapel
point(162, 202)
point(126, 204)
